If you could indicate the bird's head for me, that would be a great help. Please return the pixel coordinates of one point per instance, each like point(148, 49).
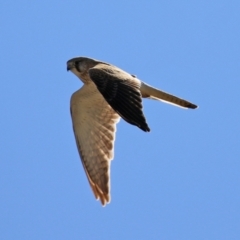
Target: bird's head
point(80, 65)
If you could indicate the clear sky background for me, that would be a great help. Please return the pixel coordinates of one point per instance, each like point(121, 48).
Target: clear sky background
point(178, 182)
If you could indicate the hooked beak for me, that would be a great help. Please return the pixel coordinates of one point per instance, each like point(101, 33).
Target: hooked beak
point(70, 65)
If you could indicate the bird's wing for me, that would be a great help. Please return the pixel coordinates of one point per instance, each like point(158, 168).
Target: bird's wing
point(122, 92)
point(94, 125)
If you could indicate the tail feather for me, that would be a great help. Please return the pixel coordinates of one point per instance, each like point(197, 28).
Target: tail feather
point(150, 92)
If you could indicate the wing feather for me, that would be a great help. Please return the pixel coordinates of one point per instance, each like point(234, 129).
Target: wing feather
point(122, 92)
point(94, 125)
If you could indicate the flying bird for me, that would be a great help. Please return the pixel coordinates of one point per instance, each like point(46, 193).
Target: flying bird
point(108, 94)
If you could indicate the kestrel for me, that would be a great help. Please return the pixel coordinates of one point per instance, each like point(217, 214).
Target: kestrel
point(108, 93)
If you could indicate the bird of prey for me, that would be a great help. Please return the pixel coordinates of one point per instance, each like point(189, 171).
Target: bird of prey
point(108, 93)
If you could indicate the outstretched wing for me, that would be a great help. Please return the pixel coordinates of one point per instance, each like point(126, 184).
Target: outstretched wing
point(122, 92)
point(94, 125)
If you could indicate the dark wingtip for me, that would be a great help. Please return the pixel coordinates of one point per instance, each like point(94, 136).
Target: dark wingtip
point(145, 128)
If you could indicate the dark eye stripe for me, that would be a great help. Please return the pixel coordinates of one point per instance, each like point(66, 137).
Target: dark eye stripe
point(77, 66)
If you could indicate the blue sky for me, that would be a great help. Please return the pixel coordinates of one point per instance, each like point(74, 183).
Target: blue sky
point(181, 180)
